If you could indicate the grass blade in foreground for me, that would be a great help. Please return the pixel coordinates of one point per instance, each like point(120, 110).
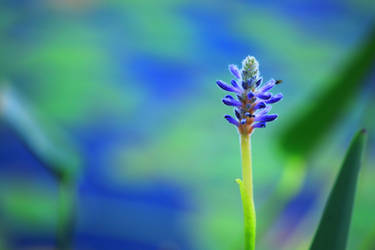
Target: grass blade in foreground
point(311, 125)
point(334, 225)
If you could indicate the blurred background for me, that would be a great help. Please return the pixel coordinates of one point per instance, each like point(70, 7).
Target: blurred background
point(112, 133)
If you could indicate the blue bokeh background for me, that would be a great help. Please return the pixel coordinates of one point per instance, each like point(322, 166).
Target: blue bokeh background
point(130, 85)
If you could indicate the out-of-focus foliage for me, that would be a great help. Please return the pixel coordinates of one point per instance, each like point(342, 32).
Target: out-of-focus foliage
point(48, 144)
point(333, 229)
point(131, 84)
point(331, 104)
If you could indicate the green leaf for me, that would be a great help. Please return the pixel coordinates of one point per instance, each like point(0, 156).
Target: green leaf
point(329, 106)
point(44, 140)
point(334, 225)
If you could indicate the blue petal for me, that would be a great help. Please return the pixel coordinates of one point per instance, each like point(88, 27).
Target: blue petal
point(259, 82)
point(235, 71)
point(235, 84)
point(264, 111)
point(243, 121)
point(231, 120)
point(275, 98)
point(259, 105)
point(265, 118)
point(264, 96)
point(226, 87)
point(250, 95)
point(259, 125)
point(230, 101)
point(269, 85)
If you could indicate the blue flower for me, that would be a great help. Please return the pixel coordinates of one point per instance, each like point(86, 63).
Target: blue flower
point(252, 102)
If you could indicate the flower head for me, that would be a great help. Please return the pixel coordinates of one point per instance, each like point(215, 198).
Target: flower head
point(252, 102)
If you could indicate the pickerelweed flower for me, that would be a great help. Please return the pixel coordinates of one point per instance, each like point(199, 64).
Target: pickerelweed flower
point(251, 106)
point(253, 99)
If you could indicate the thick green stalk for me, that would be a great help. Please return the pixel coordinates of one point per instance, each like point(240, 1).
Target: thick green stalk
point(246, 188)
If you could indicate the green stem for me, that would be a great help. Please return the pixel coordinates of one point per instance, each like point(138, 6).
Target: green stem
point(66, 214)
point(246, 188)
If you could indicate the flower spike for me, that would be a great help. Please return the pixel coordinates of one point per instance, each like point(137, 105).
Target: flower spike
point(251, 107)
point(253, 99)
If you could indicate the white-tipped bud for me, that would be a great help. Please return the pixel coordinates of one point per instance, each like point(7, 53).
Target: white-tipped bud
point(250, 67)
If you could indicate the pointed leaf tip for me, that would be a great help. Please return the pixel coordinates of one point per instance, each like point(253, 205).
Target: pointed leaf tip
point(333, 229)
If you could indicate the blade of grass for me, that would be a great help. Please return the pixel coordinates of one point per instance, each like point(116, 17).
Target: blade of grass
point(300, 139)
point(45, 141)
point(51, 147)
point(333, 229)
